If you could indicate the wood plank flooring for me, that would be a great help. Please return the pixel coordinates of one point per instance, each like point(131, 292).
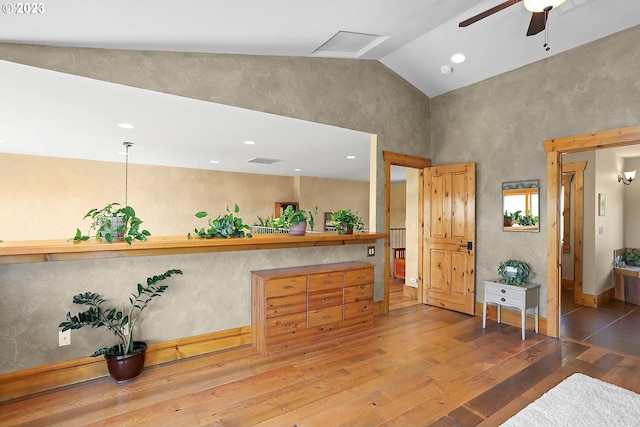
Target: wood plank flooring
point(417, 366)
point(614, 325)
point(397, 299)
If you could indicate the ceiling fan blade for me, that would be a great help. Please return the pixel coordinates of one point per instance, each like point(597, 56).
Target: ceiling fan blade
point(538, 22)
point(488, 12)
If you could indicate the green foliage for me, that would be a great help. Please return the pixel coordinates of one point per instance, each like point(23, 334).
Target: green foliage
point(102, 224)
point(632, 257)
point(119, 322)
point(344, 219)
point(291, 216)
point(312, 220)
point(224, 226)
point(513, 272)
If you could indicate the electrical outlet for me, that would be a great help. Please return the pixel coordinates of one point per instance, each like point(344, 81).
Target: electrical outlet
point(371, 251)
point(64, 338)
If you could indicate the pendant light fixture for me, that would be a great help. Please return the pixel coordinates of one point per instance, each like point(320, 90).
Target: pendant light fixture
point(126, 172)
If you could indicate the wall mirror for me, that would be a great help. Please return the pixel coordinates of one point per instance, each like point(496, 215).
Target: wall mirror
point(521, 205)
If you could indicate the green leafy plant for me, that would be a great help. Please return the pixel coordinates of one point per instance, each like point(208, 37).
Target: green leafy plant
point(344, 220)
point(111, 223)
point(291, 216)
point(120, 322)
point(312, 220)
point(224, 226)
point(513, 272)
point(632, 257)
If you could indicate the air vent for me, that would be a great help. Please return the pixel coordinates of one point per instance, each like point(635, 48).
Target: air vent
point(346, 44)
point(263, 160)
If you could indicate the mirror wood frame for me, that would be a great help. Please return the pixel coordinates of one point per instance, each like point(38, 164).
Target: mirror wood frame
point(554, 149)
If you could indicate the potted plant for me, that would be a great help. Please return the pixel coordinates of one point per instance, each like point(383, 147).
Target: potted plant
point(513, 272)
point(294, 220)
point(224, 226)
point(508, 219)
point(125, 360)
point(111, 223)
point(347, 222)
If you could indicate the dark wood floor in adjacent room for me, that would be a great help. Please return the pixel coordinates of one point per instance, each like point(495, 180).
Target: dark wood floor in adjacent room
point(418, 366)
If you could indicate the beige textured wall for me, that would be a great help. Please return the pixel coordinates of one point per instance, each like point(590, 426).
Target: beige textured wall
point(53, 195)
point(329, 195)
point(362, 95)
point(500, 124)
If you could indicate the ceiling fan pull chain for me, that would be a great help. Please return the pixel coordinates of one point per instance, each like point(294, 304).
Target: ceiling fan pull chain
point(546, 31)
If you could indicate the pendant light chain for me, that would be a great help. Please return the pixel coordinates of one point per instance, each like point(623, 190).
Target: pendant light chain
point(126, 173)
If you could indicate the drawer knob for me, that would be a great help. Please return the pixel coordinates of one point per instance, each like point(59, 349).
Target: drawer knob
point(504, 291)
point(289, 287)
point(502, 299)
point(326, 317)
point(361, 277)
point(360, 294)
point(288, 325)
point(326, 300)
point(327, 282)
point(288, 306)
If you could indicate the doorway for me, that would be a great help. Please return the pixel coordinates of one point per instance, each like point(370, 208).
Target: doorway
point(414, 166)
point(555, 148)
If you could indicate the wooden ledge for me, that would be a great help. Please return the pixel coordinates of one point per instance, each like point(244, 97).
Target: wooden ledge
point(65, 250)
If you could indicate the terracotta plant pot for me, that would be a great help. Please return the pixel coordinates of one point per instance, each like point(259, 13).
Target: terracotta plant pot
point(124, 369)
point(346, 230)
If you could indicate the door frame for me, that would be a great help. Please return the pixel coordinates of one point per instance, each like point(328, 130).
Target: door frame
point(397, 159)
point(577, 170)
point(555, 148)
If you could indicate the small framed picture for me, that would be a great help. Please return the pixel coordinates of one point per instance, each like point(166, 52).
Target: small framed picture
point(602, 204)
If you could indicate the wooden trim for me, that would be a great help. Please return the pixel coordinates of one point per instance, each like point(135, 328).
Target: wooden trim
point(64, 250)
point(555, 148)
point(40, 378)
point(577, 170)
point(410, 291)
point(567, 283)
point(397, 159)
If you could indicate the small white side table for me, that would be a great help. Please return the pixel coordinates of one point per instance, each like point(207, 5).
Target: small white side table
point(523, 298)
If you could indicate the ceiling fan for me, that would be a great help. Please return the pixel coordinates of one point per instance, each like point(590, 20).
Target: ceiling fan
point(539, 8)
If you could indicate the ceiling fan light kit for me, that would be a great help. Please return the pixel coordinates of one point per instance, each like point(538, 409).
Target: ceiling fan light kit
point(541, 5)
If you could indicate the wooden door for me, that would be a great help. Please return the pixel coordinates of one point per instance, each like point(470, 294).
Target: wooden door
point(449, 237)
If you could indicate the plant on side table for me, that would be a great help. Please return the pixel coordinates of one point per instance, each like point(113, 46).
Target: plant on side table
point(513, 272)
point(294, 220)
point(111, 223)
point(125, 360)
point(346, 222)
point(223, 226)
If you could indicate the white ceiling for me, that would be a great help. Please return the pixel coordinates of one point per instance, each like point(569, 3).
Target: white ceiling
point(418, 37)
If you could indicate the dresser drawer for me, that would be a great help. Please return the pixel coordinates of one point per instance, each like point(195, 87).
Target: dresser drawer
point(358, 293)
point(324, 316)
point(325, 282)
point(287, 324)
point(504, 294)
point(286, 305)
point(358, 309)
point(286, 286)
point(325, 299)
point(358, 277)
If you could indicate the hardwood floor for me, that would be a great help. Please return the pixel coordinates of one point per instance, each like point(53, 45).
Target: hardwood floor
point(417, 366)
point(614, 325)
point(397, 299)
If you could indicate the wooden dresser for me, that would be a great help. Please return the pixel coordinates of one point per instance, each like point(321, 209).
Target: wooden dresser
point(293, 307)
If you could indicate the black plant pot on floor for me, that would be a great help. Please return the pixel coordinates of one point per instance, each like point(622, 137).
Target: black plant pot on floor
point(124, 369)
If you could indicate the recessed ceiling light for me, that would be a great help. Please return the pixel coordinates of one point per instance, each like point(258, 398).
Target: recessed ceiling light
point(214, 161)
point(351, 157)
point(458, 58)
point(250, 142)
point(126, 125)
point(446, 69)
point(297, 169)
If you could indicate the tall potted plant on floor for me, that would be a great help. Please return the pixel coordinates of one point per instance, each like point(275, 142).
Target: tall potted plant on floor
point(125, 360)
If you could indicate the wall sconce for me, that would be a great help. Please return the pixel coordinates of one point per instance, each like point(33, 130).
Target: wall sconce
point(627, 178)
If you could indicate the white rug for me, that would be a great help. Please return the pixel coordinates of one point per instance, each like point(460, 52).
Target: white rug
point(581, 401)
